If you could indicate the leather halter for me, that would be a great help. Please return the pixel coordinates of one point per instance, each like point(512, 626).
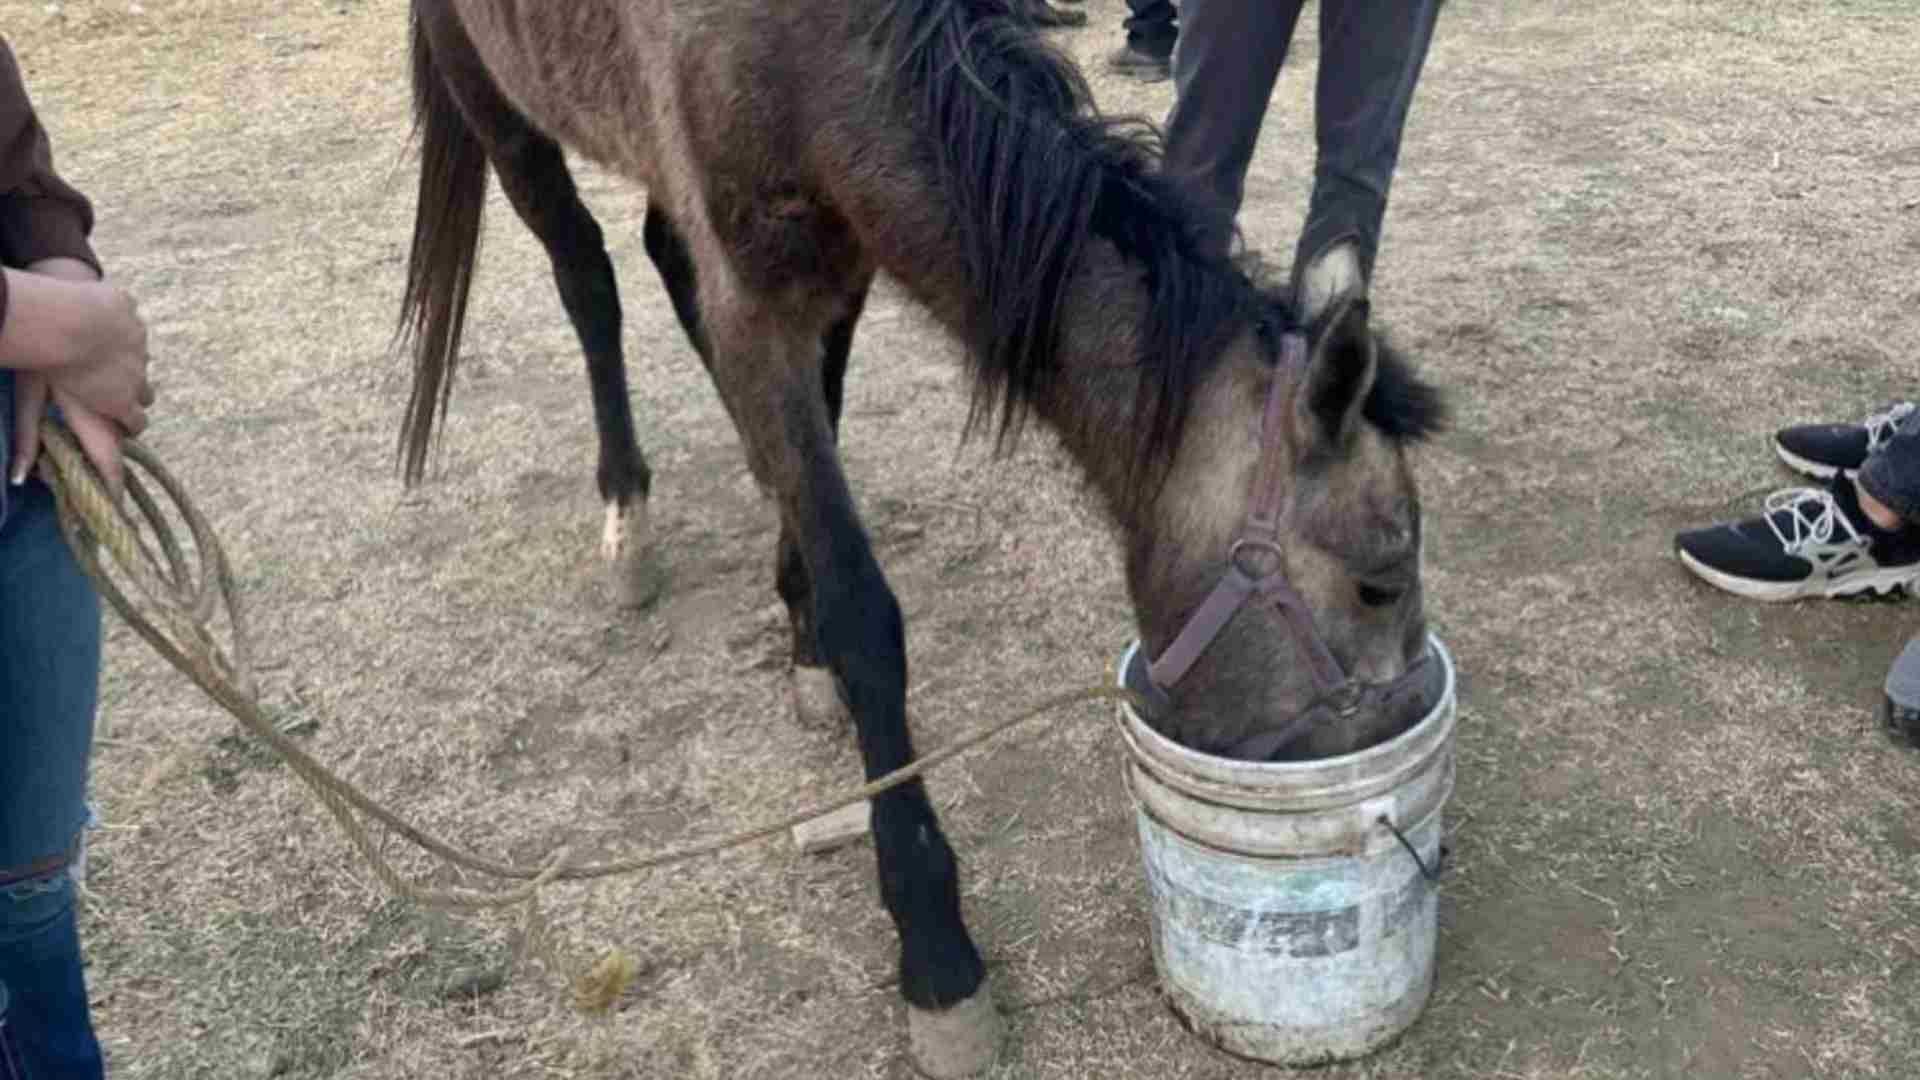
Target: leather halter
point(1270, 504)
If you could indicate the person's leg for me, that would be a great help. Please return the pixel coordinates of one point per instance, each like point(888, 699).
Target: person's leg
point(1891, 475)
point(1889, 489)
point(1371, 56)
point(1042, 13)
point(1150, 20)
point(1152, 28)
point(1224, 66)
point(1900, 706)
point(49, 681)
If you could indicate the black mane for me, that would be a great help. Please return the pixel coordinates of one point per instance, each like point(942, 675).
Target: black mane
point(1405, 407)
point(1034, 172)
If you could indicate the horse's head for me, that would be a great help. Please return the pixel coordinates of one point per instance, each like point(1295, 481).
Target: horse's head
point(1305, 431)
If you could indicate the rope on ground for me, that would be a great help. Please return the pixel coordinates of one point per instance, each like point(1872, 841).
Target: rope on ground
point(183, 597)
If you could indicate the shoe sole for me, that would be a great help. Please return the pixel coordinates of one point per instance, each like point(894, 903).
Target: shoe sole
point(1773, 592)
point(1805, 465)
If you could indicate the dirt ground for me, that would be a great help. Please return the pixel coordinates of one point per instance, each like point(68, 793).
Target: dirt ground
point(1631, 238)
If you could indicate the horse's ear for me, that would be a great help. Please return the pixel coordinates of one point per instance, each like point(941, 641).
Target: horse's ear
point(1341, 364)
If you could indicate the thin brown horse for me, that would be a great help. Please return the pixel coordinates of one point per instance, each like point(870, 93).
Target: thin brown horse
point(792, 151)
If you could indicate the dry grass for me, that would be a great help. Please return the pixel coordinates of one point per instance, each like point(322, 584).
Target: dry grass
point(1632, 238)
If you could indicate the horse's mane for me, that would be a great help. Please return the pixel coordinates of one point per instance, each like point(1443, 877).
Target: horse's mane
point(1402, 405)
point(1034, 172)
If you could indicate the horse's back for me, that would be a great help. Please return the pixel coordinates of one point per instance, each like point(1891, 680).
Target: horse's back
point(632, 84)
point(573, 70)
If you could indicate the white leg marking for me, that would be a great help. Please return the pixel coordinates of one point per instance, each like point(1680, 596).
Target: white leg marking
point(613, 533)
point(626, 544)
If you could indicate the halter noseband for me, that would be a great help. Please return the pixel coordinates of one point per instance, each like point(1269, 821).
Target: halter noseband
point(1270, 503)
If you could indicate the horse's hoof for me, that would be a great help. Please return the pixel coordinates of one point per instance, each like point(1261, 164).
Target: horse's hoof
point(637, 581)
point(958, 1041)
point(624, 542)
point(816, 699)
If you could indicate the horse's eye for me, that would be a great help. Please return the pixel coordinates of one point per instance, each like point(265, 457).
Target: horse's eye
point(1380, 596)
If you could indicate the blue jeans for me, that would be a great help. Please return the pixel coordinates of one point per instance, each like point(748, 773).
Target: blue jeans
point(49, 685)
point(1151, 28)
point(1892, 474)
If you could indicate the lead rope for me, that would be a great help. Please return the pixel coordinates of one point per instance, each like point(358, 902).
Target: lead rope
point(184, 597)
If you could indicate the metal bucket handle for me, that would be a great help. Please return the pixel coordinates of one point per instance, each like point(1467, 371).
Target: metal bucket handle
point(1431, 873)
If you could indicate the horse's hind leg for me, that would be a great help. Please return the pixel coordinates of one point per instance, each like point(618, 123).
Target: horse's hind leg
point(533, 174)
point(668, 250)
point(535, 178)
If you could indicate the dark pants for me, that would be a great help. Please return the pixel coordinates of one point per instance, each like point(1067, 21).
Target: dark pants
point(1224, 67)
point(1151, 29)
point(49, 679)
point(1892, 474)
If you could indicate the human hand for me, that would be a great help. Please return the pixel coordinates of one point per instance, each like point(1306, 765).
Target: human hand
point(92, 347)
point(99, 437)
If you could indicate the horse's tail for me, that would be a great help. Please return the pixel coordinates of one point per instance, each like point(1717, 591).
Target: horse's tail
point(446, 243)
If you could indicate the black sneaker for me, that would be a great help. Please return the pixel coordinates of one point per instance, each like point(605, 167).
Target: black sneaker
point(1142, 64)
point(1041, 13)
point(1820, 450)
point(1809, 542)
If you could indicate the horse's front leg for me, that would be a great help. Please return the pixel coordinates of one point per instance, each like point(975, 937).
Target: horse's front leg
point(771, 379)
point(817, 702)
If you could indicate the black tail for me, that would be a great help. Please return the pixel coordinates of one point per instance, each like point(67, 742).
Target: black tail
point(446, 243)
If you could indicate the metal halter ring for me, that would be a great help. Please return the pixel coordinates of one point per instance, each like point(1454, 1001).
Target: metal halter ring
point(1261, 543)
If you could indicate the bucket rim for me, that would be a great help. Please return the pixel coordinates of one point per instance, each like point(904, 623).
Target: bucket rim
point(1292, 855)
point(1216, 768)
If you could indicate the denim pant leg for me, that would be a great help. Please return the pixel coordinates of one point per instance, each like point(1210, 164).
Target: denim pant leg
point(1371, 56)
point(1151, 25)
point(1225, 63)
point(50, 638)
point(1892, 474)
point(1224, 67)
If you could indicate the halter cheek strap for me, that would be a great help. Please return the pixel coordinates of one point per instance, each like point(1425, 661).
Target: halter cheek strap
point(1261, 534)
point(1338, 696)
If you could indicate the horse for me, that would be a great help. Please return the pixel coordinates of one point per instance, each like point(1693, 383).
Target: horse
point(791, 152)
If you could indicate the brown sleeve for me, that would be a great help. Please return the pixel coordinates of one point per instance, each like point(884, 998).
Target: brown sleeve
point(41, 215)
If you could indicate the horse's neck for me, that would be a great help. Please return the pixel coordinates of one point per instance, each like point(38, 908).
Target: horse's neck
point(875, 165)
point(1091, 399)
point(1094, 399)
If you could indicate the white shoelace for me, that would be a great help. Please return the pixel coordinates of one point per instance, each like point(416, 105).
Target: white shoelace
point(1881, 426)
point(1808, 528)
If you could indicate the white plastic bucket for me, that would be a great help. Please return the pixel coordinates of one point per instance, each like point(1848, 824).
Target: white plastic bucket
point(1290, 924)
